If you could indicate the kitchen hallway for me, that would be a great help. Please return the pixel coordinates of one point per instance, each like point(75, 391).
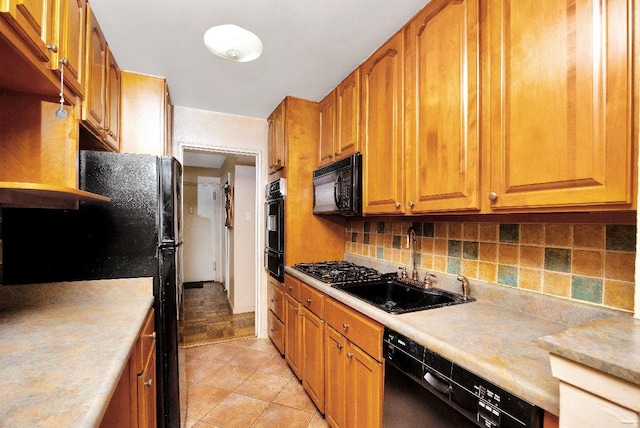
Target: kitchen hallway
point(245, 383)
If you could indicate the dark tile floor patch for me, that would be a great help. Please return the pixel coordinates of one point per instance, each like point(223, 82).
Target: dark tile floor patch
point(208, 317)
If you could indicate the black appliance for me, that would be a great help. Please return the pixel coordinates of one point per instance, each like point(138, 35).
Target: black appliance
point(138, 234)
point(422, 388)
point(274, 228)
point(338, 272)
point(337, 187)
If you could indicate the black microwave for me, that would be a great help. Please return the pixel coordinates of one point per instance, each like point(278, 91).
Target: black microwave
point(337, 187)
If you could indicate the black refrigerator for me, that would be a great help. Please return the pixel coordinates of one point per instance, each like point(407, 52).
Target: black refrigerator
point(137, 234)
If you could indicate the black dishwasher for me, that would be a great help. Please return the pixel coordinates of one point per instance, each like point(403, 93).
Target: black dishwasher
point(423, 388)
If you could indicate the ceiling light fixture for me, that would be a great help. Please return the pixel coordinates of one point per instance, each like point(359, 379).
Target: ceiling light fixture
point(233, 43)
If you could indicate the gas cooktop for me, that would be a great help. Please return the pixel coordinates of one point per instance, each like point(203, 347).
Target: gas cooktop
point(338, 272)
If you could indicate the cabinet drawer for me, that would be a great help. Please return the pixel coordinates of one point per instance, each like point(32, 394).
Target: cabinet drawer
point(312, 299)
point(144, 345)
point(276, 331)
point(360, 330)
point(292, 286)
point(275, 299)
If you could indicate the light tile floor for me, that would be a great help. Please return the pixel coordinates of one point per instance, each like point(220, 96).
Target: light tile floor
point(245, 383)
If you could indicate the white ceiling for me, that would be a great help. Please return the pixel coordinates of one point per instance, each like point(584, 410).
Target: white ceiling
point(309, 46)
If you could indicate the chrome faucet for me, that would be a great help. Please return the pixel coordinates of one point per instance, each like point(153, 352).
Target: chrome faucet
point(465, 286)
point(428, 281)
point(411, 235)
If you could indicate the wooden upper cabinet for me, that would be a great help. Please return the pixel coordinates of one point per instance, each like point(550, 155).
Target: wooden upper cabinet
point(562, 126)
point(112, 122)
point(327, 114)
point(382, 118)
point(441, 102)
point(277, 139)
point(32, 20)
point(347, 140)
point(69, 31)
point(94, 105)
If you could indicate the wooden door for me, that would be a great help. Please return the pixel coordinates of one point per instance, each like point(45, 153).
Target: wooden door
point(293, 335)
point(112, 124)
point(382, 118)
point(147, 393)
point(277, 140)
point(561, 104)
point(327, 115)
point(348, 94)
point(94, 106)
point(69, 34)
point(335, 366)
point(32, 19)
point(313, 357)
point(442, 115)
point(365, 379)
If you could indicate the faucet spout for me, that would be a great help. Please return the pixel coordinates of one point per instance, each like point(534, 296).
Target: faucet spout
point(411, 236)
point(465, 286)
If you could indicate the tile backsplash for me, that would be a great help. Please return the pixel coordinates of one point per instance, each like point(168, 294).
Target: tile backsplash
point(586, 262)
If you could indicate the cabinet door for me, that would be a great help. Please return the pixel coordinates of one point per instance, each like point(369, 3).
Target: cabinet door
point(313, 356)
point(93, 107)
point(32, 19)
point(112, 124)
point(383, 175)
point(442, 115)
point(327, 113)
point(347, 140)
point(293, 335)
point(147, 394)
point(561, 122)
point(276, 331)
point(69, 35)
point(365, 378)
point(277, 139)
point(335, 366)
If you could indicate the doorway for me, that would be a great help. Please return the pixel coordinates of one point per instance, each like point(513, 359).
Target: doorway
point(220, 245)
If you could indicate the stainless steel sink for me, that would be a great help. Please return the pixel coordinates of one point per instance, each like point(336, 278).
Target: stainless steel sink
point(397, 297)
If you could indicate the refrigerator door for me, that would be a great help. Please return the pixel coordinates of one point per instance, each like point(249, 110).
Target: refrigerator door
point(171, 201)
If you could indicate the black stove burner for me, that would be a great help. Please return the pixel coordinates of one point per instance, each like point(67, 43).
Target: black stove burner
point(338, 272)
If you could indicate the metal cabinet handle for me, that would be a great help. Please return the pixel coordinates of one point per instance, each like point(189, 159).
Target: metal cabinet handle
point(53, 47)
point(290, 288)
point(397, 204)
point(273, 300)
point(148, 383)
point(345, 326)
point(272, 330)
point(411, 204)
point(349, 355)
point(309, 301)
point(493, 196)
point(295, 309)
point(339, 346)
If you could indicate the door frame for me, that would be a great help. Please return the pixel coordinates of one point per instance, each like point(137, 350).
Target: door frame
point(259, 210)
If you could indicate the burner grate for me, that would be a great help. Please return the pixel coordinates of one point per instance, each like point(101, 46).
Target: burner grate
point(334, 272)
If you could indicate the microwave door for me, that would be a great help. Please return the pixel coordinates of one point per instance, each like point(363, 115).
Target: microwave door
point(324, 191)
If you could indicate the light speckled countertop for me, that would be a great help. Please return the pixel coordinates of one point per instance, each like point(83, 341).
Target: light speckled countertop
point(63, 347)
point(496, 342)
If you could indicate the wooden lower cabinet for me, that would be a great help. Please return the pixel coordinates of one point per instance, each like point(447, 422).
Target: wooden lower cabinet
point(293, 335)
point(276, 331)
point(336, 393)
point(313, 357)
point(133, 403)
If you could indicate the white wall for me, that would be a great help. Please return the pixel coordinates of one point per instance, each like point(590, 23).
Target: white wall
point(200, 129)
point(244, 238)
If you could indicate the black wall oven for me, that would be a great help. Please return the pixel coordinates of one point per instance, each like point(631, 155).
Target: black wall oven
point(274, 228)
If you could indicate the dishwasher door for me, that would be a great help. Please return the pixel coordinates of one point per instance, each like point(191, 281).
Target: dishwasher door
point(408, 404)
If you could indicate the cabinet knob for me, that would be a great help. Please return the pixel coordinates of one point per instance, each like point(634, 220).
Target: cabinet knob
point(295, 309)
point(308, 301)
point(339, 346)
point(411, 204)
point(273, 300)
point(345, 325)
point(349, 355)
point(290, 288)
point(493, 196)
point(53, 47)
point(336, 154)
point(148, 383)
point(272, 330)
point(397, 204)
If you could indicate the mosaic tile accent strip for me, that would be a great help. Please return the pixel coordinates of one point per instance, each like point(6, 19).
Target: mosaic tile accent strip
point(592, 263)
